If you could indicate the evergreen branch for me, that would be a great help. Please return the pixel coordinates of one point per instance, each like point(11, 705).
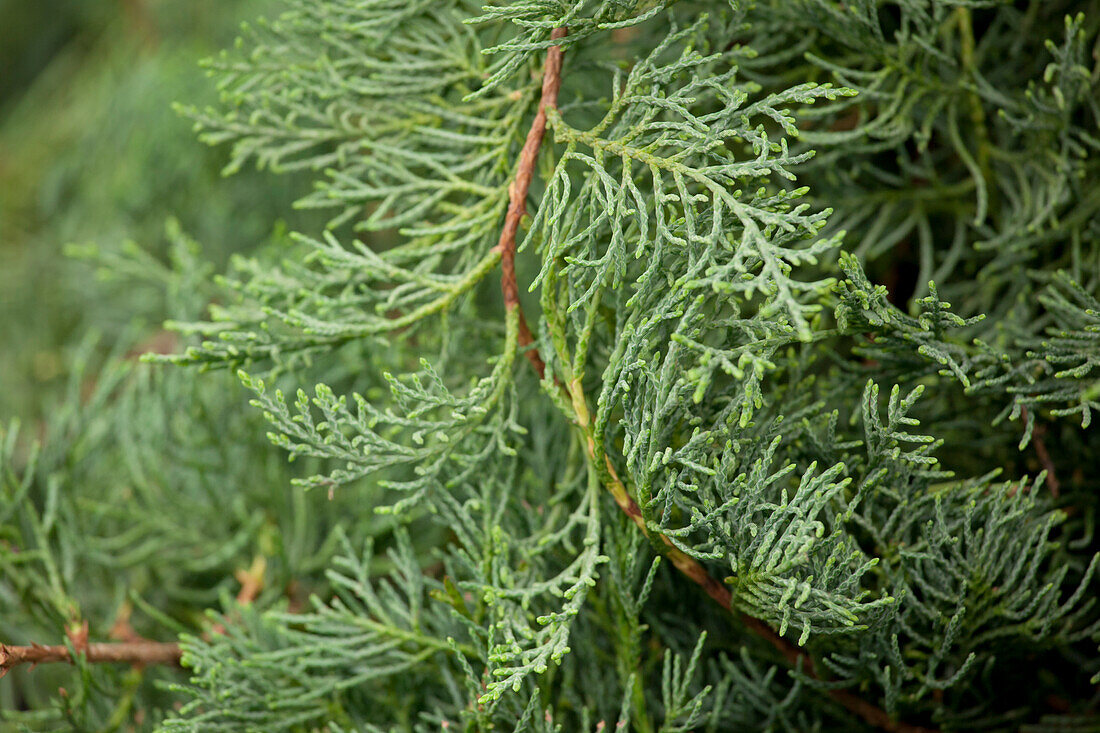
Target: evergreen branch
point(685, 224)
point(795, 655)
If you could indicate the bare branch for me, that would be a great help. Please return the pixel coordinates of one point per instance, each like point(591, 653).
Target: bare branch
point(128, 652)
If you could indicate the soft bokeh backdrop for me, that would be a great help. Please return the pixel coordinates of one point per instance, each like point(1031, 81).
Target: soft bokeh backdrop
point(150, 488)
point(94, 159)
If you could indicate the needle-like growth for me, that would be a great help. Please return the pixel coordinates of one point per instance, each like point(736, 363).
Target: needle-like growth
point(810, 290)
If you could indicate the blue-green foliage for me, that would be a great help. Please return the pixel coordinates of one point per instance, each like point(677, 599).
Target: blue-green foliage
point(748, 222)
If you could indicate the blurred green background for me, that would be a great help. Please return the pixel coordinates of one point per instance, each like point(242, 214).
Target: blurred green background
point(94, 160)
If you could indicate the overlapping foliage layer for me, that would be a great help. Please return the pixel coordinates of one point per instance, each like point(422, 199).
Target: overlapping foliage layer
point(816, 288)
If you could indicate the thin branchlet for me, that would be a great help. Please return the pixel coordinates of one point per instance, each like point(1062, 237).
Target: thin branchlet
point(122, 652)
point(517, 197)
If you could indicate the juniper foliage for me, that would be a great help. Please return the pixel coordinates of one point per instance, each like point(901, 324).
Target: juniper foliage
point(815, 285)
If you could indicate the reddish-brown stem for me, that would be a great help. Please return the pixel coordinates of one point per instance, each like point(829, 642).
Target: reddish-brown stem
point(517, 198)
point(128, 652)
point(795, 655)
point(1046, 462)
point(1043, 455)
